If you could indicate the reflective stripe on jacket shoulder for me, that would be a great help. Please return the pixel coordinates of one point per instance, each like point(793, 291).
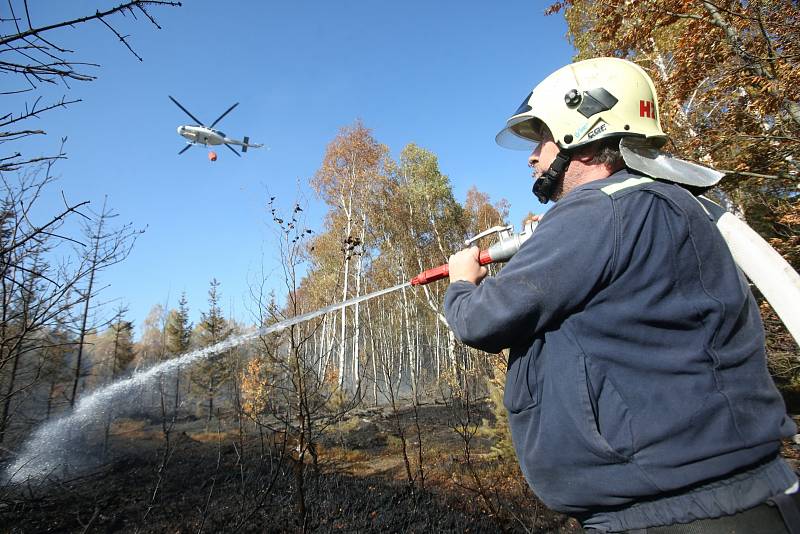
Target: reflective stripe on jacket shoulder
point(630, 182)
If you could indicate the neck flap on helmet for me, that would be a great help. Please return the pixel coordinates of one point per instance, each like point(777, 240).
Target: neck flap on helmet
point(642, 157)
point(545, 186)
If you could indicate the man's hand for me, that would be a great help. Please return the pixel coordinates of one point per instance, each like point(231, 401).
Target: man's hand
point(464, 265)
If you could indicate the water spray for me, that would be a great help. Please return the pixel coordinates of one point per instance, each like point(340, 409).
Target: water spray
point(44, 451)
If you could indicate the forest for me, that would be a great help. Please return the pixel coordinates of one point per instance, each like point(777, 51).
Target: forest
point(370, 417)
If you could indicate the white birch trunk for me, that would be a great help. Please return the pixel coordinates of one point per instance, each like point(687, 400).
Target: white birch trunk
point(356, 322)
point(436, 352)
point(330, 342)
point(347, 208)
point(412, 364)
point(323, 355)
point(372, 355)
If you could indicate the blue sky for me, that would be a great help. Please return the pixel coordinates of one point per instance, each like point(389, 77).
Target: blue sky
point(444, 75)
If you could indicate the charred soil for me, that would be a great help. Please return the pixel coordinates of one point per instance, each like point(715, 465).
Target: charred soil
point(221, 479)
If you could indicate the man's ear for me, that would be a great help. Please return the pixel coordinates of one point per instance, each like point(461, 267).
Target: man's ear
point(585, 153)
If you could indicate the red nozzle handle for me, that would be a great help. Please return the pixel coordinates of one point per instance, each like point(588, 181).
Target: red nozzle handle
point(443, 271)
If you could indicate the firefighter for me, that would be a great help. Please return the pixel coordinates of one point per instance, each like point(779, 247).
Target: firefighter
point(637, 388)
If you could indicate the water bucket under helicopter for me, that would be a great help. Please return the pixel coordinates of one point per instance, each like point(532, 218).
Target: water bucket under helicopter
point(212, 156)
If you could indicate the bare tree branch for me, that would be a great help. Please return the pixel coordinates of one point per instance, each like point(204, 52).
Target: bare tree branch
point(36, 231)
point(33, 112)
point(18, 164)
point(97, 15)
point(122, 39)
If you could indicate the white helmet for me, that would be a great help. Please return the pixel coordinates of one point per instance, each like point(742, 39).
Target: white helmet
point(587, 101)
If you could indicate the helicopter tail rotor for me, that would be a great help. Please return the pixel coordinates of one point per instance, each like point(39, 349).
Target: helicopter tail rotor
point(244, 144)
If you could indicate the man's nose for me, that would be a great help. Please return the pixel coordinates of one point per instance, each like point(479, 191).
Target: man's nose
point(533, 159)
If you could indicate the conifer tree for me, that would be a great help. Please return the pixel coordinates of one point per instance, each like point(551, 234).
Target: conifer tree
point(178, 337)
point(123, 347)
point(211, 374)
point(179, 328)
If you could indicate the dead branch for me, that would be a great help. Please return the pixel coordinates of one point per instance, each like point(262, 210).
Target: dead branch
point(6, 167)
point(99, 15)
point(14, 136)
point(122, 39)
point(33, 112)
point(39, 230)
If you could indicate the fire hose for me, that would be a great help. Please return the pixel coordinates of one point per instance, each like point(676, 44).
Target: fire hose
point(500, 252)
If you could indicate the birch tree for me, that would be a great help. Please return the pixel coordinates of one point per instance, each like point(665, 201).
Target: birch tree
point(346, 182)
point(421, 225)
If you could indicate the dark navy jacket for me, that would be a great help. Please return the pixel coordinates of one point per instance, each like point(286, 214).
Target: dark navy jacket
point(637, 363)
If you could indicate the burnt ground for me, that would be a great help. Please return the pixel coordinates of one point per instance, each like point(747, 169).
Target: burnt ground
point(216, 480)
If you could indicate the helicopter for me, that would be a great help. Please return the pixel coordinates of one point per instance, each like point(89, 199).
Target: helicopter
point(207, 135)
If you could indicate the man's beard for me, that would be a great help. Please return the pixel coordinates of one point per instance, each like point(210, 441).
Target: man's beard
point(546, 188)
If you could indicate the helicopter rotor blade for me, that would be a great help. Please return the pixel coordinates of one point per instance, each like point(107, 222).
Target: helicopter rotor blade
point(233, 150)
point(226, 112)
point(187, 147)
point(198, 121)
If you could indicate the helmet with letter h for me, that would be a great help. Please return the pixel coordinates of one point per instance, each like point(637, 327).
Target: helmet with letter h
point(593, 100)
point(585, 102)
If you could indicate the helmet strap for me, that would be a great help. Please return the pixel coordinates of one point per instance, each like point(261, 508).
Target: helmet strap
point(545, 186)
